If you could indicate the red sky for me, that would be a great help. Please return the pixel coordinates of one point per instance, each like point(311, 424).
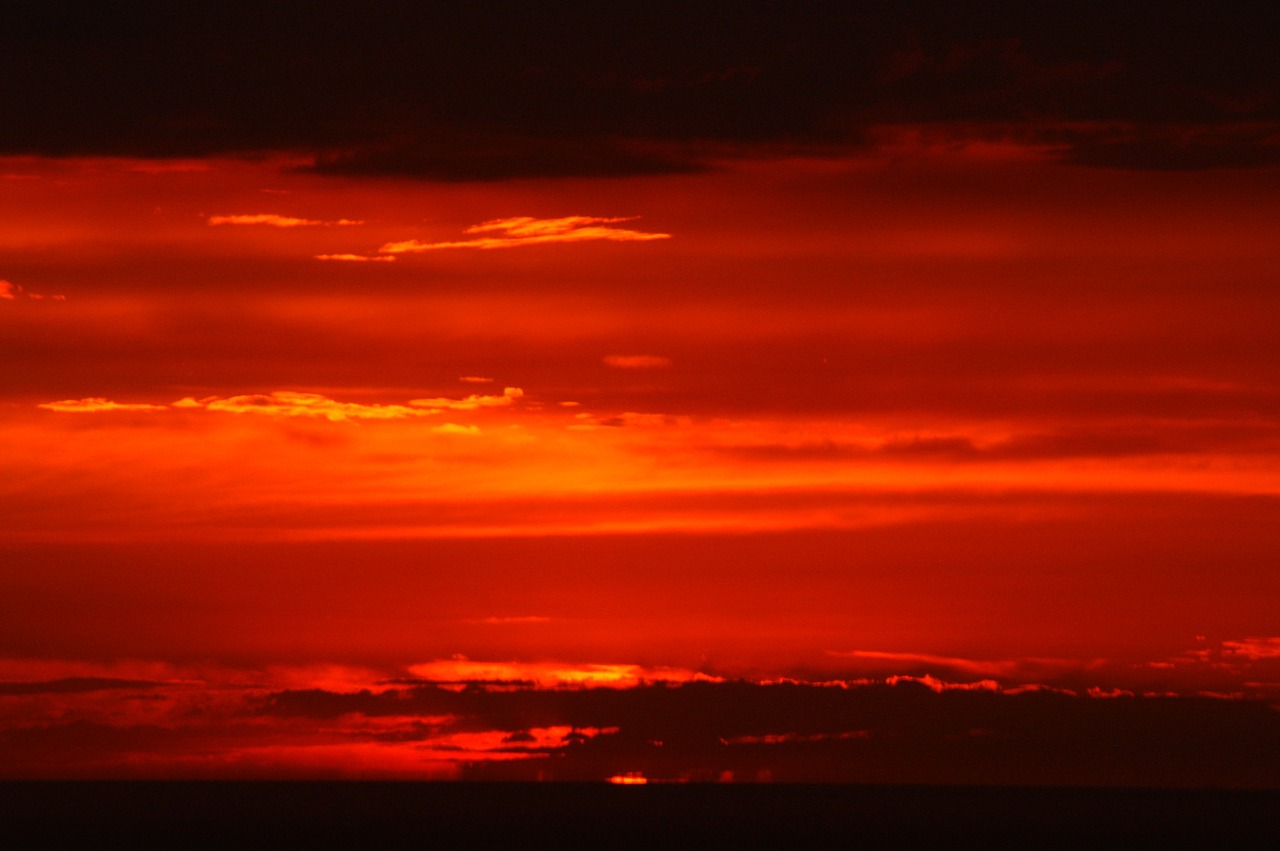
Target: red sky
point(954, 403)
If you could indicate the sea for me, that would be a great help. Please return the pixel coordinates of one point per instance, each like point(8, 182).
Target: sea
point(423, 815)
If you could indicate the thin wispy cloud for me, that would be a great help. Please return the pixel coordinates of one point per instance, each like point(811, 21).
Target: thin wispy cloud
point(95, 404)
point(472, 402)
point(1253, 648)
point(454, 428)
point(278, 221)
point(973, 666)
point(10, 291)
point(553, 674)
point(356, 258)
point(289, 404)
point(626, 419)
point(526, 230)
point(637, 361)
point(286, 403)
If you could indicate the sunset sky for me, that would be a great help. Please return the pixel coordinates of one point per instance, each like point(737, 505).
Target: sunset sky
point(433, 390)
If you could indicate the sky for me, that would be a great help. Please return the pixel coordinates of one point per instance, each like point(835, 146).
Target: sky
point(824, 393)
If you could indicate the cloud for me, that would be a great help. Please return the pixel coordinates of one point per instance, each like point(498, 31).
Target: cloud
point(355, 258)
point(581, 111)
point(526, 230)
point(456, 154)
point(278, 221)
point(637, 361)
point(454, 428)
point(904, 729)
point(95, 404)
point(1011, 675)
point(10, 291)
point(287, 403)
point(1253, 648)
point(626, 419)
point(76, 685)
point(1116, 443)
point(283, 403)
point(900, 660)
point(474, 379)
point(552, 674)
point(502, 720)
point(472, 402)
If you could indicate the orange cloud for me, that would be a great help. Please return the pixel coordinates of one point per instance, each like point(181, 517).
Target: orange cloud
point(278, 221)
point(10, 291)
point(284, 403)
point(526, 230)
point(472, 402)
point(637, 361)
point(97, 403)
point(936, 685)
point(474, 379)
point(287, 403)
point(454, 428)
point(553, 674)
point(355, 258)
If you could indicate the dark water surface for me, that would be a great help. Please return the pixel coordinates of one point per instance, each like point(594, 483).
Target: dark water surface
point(430, 815)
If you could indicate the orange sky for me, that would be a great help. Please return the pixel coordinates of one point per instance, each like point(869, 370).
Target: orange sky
point(964, 412)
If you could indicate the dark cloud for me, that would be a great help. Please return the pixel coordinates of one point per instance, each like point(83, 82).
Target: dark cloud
point(870, 733)
point(74, 685)
point(578, 89)
point(475, 156)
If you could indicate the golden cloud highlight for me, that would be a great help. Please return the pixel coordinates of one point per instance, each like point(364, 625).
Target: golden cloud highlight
point(472, 402)
point(94, 404)
point(526, 230)
point(356, 258)
point(553, 674)
point(278, 221)
point(289, 404)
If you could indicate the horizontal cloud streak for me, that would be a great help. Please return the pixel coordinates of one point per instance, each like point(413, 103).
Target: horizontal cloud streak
point(355, 258)
point(510, 395)
point(526, 230)
point(278, 221)
point(10, 291)
point(286, 403)
point(290, 404)
point(94, 404)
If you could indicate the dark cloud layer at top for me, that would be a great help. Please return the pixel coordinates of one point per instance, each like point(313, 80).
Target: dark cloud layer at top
point(477, 91)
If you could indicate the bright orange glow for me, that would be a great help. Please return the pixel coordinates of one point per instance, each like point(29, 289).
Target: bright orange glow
point(553, 675)
point(931, 425)
point(631, 778)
